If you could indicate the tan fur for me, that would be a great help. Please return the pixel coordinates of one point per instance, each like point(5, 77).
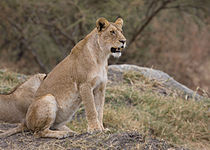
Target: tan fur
point(14, 105)
point(80, 77)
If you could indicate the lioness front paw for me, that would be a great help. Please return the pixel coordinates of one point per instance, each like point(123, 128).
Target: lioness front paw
point(94, 128)
point(106, 130)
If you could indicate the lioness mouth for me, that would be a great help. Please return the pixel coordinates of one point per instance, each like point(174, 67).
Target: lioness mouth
point(116, 50)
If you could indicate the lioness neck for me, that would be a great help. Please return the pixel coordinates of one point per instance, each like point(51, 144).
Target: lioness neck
point(90, 48)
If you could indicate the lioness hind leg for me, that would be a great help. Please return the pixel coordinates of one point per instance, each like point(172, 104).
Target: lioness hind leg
point(41, 116)
point(10, 132)
point(60, 132)
point(55, 134)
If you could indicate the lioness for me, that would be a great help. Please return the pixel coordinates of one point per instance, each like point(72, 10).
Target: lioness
point(80, 77)
point(14, 105)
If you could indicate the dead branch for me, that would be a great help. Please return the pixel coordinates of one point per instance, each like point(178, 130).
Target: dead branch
point(27, 46)
point(186, 6)
point(148, 19)
point(59, 30)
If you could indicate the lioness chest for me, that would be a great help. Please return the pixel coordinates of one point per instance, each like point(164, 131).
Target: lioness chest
point(99, 77)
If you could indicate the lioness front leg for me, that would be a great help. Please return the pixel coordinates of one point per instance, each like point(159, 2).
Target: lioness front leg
point(65, 128)
point(86, 93)
point(99, 96)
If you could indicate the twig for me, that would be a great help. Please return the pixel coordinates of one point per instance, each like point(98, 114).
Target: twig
point(59, 30)
point(148, 20)
point(25, 42)
point(186, 6)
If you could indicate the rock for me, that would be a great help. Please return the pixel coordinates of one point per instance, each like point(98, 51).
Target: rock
point(115, 74)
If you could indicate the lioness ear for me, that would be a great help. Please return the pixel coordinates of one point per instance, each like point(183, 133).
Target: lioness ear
point(102, 24)
point(119, 22)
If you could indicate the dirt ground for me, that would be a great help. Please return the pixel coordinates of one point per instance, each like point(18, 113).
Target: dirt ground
point(120, 140)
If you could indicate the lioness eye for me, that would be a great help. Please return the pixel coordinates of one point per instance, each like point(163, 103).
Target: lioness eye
point(112, 32)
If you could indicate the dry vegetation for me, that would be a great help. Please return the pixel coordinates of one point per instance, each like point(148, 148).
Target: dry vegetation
point(170, 35)
point(8, 80)
point(135, 106)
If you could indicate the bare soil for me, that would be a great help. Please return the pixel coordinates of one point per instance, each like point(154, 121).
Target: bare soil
point(119, 140)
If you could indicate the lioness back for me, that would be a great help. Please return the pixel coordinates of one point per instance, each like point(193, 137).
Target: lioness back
point(13, 106)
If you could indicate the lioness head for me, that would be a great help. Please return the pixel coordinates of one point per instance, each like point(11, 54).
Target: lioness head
point(111, 38)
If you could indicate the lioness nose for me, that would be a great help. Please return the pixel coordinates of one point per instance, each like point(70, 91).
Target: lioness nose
point(122, 41)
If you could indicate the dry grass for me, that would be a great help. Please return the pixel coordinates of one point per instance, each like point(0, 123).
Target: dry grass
point(8, 80)
point(175, 120)
point(136, 105)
